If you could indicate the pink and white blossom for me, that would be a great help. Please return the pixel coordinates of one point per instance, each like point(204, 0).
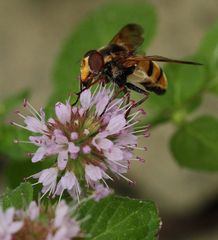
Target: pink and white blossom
point(88, 142)
point(63, 112)
point(33, 211)
point(101, 192)
point(93, 174)
point(48, 179)
point(70, 183)
point(66, 227)
point(60, 223)
point(9, 226)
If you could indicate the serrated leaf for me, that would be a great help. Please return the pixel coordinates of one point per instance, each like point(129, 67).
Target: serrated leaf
point(120, 218)
point(95, 31)
point(208, 53)
point(18, 198)
point(195, 144)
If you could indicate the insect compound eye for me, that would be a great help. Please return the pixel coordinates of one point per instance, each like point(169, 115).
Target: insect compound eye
point(96, 62)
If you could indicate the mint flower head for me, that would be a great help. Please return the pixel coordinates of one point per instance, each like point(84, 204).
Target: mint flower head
point(91, 142)
point(8, 224)
point(59, 224)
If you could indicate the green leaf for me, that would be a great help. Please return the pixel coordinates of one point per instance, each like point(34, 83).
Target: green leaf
point(120, 218)
point(10, 149)
point(95, 31)
point(195, 145)
point(19, 198)
point(208, 54)
point(9, 133)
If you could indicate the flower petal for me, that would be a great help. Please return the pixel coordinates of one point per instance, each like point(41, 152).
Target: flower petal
point(68, 180)
point(34, 124)
point(114, 154)
point(15, 227)
point(48, 176)
point(60, 213)
point(72, 148)
point(116, 124)
point(9, 214)
point(101, 105)
point(63, 112)
point(93, 173)
point(33, 211)
point(127, 139)
point(62, 160)
point(39, 155)
point(85, 99)
point(101, 192)
point(101, 142)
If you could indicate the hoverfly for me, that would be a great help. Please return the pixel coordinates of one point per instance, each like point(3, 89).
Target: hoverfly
point(119, 63)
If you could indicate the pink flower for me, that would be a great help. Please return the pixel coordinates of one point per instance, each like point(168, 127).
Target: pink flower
point(91, 141)
point(59, 225)
point(93, 174)
point(33, 211)
point(86, 149)
point(8, 226)
point(34, 124)
point(48, 178)
point(70, 183)
point(66, 227)
point(114, 153)
point(101, 142)
point(85, 99)
point(65, 147)
point(63, 112)
point(116, 124)
point(101, 192)
point(46, 147)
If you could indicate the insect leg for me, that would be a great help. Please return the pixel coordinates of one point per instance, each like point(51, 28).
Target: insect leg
point(139, 90)
point(77, 99)
point(127, 93)
point(140, 101)
point(83, 89)
point(80, 85)
point(78, 94)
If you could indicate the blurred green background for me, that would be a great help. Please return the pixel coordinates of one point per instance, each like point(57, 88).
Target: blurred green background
point(32, 34)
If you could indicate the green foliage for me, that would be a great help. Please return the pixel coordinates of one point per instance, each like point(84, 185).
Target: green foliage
point(19, 198)
point(194, 145)
point(95, 31)
point(120, 218)
point(8, 148)
point(208, 53)
point(15, 171)
point(183, 95)
point(8, 133)
point(8, 104)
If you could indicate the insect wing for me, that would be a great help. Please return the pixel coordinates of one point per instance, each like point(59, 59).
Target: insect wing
point(129, 37)
point(158, 59)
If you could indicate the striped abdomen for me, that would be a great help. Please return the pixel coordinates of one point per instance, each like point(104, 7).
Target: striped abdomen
point(151, 76)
